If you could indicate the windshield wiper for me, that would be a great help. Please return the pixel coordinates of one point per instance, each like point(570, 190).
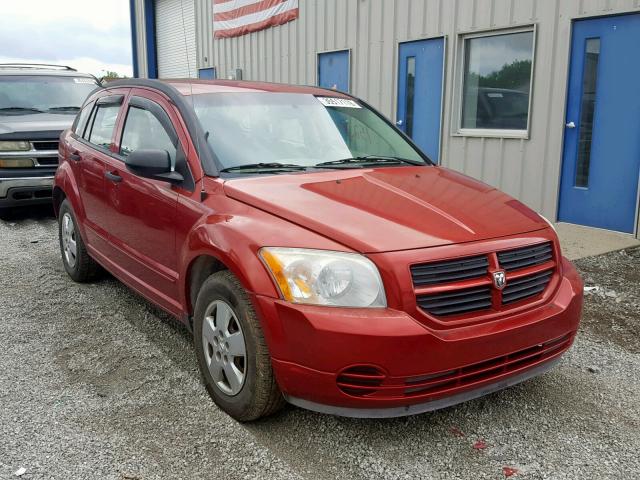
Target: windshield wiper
point(267, 167)
point(21, 109)
point(367, 160)
point(64, 109)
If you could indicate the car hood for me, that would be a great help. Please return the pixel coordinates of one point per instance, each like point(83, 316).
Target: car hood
point(386, 209)
point(35, 122)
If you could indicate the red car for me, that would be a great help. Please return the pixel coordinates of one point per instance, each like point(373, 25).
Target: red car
point(317, 255)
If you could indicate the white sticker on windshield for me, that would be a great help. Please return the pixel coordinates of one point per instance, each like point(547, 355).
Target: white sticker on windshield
point(89, 81)
point(338, 102)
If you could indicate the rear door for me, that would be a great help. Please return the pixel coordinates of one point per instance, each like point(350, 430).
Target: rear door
point(142, 210)
point(89, 148)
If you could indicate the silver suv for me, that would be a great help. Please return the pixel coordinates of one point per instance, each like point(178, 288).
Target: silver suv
point(37, 102)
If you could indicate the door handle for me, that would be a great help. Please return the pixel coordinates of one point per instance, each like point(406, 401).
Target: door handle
point(570, 125)
point(113, 176)
point(75, 156)
point(399, 122)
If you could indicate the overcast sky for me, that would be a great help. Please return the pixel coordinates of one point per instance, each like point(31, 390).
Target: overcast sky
point(89, 35)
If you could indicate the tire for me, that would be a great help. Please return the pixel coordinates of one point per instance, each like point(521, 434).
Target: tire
point(80, 267)
point(257, 394)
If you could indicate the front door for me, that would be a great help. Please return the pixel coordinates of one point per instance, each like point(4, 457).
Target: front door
point(601, 160)
point(420, 70)
point(143, 211)
point(333, 70)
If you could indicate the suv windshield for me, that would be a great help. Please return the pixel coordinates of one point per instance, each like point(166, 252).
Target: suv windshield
point(25, 94)
point(265, 129)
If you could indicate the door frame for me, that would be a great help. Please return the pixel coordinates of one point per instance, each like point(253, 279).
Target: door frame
point(335, 50)
point(567, 73)
point(396, 62)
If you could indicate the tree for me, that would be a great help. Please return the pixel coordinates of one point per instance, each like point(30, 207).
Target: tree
point(109, 75)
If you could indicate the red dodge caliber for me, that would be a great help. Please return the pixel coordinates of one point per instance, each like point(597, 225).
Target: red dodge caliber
point(316, 254)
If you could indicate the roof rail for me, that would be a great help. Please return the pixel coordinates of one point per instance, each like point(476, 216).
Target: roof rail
point(42, 66)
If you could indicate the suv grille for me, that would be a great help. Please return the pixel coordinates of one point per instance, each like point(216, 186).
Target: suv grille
point(45, 145)
point(450, 288)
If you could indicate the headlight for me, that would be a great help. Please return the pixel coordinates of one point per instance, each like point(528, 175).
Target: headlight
point(15, 146)
point(321, 277)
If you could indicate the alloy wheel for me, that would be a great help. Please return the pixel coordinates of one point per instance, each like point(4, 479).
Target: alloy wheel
point(224, 347)
point(69, 245)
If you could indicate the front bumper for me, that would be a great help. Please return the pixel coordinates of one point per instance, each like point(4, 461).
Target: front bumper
point(418, 368)
point(25, 190)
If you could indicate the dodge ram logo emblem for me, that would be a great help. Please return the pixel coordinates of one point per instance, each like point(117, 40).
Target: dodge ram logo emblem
point(499, 279)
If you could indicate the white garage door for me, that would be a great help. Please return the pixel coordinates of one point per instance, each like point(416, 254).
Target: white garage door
point(176, 38)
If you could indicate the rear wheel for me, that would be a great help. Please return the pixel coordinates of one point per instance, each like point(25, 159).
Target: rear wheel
point(232, 354)
point(77, 262)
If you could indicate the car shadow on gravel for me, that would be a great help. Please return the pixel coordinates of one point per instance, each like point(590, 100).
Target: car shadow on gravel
point(33, 212)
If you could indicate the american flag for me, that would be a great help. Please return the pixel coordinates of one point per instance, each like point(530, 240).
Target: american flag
point(232, 18)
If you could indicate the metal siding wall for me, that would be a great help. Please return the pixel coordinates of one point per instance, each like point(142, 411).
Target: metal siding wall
point(176, 38)
point(527, 169)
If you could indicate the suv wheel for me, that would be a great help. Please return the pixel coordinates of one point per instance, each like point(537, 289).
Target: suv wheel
point(232, 354)
point(77, 262)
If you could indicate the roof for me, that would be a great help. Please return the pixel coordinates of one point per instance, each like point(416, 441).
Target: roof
point(196, 87)
point(40, 69)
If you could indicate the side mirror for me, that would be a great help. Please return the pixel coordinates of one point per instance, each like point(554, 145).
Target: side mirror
point(154, 164)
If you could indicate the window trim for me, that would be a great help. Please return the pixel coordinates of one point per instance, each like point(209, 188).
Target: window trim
point(457, 97)
point(181, 164)
point(158, 112)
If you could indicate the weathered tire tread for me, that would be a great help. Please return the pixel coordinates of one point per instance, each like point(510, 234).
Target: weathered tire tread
point(267, 398)
point(87, 268)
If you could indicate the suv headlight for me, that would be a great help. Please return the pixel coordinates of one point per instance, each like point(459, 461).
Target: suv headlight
point(15, 146)
point(322, 277)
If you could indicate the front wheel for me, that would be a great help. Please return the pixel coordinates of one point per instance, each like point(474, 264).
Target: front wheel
point(232, 354)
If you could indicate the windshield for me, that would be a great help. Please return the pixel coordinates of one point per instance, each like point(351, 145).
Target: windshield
point(24, 94)
point(295, 129)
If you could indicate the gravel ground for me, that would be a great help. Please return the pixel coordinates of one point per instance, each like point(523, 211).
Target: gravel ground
point(97, 383)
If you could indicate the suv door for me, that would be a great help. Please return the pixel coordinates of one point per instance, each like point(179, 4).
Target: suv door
point(89, 146)
point(142, 210)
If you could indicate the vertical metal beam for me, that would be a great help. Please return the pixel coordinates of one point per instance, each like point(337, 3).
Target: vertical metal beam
point(150, 35)
point(134, 38)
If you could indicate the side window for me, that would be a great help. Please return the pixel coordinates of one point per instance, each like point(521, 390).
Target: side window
point(103, 124)
point(81, 120)
point(143, 130)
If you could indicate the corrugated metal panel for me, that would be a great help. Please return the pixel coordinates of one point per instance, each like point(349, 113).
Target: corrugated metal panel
point(142, 44)
point(528, 169)
point(176, 38)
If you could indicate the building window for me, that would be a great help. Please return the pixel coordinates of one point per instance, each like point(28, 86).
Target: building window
point(496, 83)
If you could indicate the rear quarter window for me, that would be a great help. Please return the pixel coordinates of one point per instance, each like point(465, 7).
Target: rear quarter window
point(81, 120)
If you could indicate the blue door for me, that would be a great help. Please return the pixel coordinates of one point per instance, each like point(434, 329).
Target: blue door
point(333, 70)
point(207, 73)
point(420, 69)
point(601, 160)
